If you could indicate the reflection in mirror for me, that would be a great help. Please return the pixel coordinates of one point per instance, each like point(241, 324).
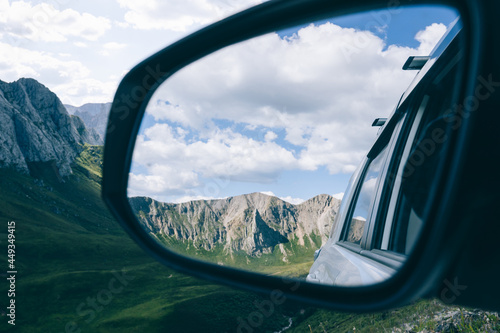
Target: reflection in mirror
point(242, 157)
point(365, 199)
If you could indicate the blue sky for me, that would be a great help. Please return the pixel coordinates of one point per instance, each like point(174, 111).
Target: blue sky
point(287, 113)
point(400, 28)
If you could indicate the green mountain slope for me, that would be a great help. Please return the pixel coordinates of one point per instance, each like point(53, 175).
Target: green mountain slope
point(77, 270)
point(253, 231)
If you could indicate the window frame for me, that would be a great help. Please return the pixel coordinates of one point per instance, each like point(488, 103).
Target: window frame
point(384, 141)
point(393, 189)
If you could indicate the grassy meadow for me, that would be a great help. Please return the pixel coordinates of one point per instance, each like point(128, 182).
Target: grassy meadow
point(77, 271)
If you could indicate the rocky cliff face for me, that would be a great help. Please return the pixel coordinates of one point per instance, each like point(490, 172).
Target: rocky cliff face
point(254, 223)
point(35, 127)
point(87, 135)
point(94, 115)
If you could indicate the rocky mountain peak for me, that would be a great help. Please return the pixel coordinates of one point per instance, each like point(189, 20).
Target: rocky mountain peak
point(254, 223)
point(35, 127)
point(94, 115)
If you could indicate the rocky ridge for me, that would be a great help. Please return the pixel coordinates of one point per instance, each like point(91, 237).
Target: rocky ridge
point(254, 223)
point(94, 115)
point(35, 127)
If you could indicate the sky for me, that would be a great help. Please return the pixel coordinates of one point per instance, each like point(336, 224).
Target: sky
point(82, 49)
point(286, 114)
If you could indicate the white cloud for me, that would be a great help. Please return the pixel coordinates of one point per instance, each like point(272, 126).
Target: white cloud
point(430, 36)
point(155, 184)
point(114, 46)
point(80, 44)
point(339, 196)
point(69, 79)
point(293, 201)
point(289, 199)
point(323, 98)
point(305, 84)
point(270, 136)
point(16, 62)
point(78, 91)
point(122, 25)
point(225, 155)
point(44, 22)
point(179, 15)
point(111, 47)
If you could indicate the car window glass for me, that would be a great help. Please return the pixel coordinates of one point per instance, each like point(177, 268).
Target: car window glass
point(365, 199)
point(426, 154)
point(344, 205)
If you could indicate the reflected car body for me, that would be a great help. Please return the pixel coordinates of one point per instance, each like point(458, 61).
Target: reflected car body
point(381, 214)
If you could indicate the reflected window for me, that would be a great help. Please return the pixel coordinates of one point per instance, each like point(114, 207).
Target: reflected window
point(364, 202)
point(419, 172)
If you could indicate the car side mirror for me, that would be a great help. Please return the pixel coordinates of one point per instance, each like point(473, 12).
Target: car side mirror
point(154, 223)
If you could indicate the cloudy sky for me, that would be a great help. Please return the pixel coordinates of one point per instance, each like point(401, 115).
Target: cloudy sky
point(81, 49)
point(288, 113)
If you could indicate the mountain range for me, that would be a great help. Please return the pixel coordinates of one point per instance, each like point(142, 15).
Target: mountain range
point(254, 223)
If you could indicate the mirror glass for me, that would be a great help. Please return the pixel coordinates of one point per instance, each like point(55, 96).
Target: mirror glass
point(255, 157)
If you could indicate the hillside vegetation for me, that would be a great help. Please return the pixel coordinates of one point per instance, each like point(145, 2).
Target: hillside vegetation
point(252, 231)
point(69, 255)
point(79, 272)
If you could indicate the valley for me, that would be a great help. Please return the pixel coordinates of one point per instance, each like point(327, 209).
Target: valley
point(77, 270)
